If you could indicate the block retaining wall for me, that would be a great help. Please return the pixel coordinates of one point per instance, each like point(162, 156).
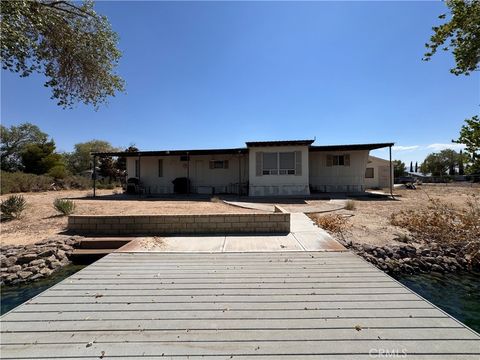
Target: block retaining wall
point(180, 224)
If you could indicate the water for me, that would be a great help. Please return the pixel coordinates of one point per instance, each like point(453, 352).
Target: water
point(457, 294)
point(12, 296)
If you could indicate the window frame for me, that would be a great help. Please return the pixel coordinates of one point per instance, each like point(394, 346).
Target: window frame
point(373, 173)
point(213, 163)
point(278, 170)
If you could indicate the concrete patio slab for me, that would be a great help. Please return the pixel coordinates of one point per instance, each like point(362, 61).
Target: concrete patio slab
point(304, 236)
point(262, 243)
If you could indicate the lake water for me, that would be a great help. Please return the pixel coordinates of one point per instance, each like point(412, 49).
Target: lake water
point(456, 294)
point(12, 296)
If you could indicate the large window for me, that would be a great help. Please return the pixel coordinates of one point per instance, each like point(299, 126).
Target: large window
point(369, 173)
point(278, 163)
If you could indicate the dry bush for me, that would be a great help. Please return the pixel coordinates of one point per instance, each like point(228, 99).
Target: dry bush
point(444, 224)
point(333, 223)
point(350, 205)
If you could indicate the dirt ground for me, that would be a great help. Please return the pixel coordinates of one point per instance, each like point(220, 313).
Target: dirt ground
point(41, 220)
point(370, 221)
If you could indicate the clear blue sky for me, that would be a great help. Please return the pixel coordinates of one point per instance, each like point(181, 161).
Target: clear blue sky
point(216, 74)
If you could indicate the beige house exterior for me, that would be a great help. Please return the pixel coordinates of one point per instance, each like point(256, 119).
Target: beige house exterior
point(378, 173)
point(262, 168)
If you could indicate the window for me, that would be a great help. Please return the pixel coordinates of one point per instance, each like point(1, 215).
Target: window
point(270, 163)
point(369, 173)
point(338, 160)
point(278, 163)
point(137, 168)
point(218, 164)
point(160, 167)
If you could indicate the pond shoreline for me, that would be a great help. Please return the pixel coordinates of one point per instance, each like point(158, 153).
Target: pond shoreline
point(27, 263)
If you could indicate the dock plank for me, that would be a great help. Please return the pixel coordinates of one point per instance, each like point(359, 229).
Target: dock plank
point(254, 305)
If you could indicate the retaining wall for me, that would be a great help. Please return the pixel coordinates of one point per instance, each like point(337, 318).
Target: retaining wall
point(180, 224)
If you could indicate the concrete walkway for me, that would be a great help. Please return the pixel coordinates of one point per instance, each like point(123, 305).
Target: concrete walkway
point(308, 208)
point(304, 236)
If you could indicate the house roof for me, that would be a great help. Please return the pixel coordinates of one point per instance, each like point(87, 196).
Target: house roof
point(279, 143)
point(244, 150)
point(172, 152)
point(372, 146)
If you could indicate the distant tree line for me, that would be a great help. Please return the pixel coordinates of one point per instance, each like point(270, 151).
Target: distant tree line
point(25, 148)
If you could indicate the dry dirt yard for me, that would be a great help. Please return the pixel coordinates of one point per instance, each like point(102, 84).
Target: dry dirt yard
point(41, 220)
point(370, 221)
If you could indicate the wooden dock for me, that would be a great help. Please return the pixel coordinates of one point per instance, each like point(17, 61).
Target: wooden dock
point(278, 305)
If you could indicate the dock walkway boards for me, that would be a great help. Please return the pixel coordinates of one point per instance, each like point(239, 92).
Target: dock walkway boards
point(278, 305)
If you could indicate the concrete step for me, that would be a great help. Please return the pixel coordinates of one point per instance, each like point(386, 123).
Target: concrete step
point(87, 256)
point(104, 242)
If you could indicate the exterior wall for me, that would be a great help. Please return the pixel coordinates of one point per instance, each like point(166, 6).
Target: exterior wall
point(381, 170)
point(202, 178)
point(180, 224)
point(271, 185)
point(325, 178)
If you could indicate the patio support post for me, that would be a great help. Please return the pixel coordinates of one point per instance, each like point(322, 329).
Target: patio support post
point(94, 173)
point(390, 175)
point(188, 174)
point(139, 166)
point(239, 174)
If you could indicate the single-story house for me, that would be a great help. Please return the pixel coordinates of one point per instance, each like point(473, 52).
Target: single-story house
point(262, 168)
point(378, 173)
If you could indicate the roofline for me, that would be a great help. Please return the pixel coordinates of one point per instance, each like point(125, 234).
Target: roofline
point(172, 152)
point(244, 150)
point(372, 146)
point(305, 142)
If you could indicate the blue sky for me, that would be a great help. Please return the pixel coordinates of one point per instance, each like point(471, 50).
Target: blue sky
point(217, 74)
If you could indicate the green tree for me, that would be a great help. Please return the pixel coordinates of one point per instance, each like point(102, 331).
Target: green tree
point(398, 168)
point(40, 158)
point(80, 159)
point(439, 163)
point(13, 143)
point(107, 168)
point(459, 34)
point(470, 137)
point(73, 46)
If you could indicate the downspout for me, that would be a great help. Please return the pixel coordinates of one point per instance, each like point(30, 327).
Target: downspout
point(391, 170)
point(94, 175)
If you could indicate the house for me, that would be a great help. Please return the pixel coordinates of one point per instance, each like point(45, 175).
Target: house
point(262, 168)
point(378, 173)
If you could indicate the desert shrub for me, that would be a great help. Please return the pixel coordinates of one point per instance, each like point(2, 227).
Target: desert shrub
point(58, 172)
point(444, 224)
point(333, 223)
point(13, 207)
point(350, 205)
point(20, 182)
point(64, 206)
point(75, 182)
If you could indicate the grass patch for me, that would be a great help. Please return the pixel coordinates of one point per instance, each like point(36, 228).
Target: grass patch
point(13, 207)
point(64, 206)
